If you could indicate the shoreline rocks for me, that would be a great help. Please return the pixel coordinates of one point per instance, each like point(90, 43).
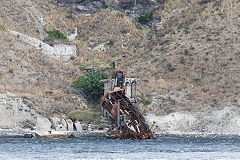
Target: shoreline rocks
point(43, 124)
point(225, 121)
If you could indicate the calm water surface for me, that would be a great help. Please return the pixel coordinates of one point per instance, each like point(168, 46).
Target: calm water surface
point(163, 148)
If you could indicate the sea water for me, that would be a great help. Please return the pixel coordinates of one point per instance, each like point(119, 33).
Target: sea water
point(169, 148)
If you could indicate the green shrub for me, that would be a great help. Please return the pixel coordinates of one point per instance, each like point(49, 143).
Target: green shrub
point(190, 95)
point(124, 31)
point(84, 115)
point(120, 14)
point(91, 85)
point(56, 34)
point(168, 39)
point(144, 19)
point(147, 102)
point(202, 2)
point(110, 42)
point(109, 6)
point(2, 28)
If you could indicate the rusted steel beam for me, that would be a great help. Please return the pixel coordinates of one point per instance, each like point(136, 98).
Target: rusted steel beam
point(118, 105)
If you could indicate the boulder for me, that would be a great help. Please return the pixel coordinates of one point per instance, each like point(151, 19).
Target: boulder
point(58, 124)
point(43, 124)
point(69, 125)
point(78, 126)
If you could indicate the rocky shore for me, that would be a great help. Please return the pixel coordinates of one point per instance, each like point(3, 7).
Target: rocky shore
point(13, 133)
point(19, 120)
point(225, 121)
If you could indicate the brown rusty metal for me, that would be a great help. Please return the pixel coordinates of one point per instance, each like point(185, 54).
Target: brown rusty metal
point(134, 126)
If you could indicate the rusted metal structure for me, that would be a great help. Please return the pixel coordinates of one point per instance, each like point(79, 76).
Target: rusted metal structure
point(120, 110)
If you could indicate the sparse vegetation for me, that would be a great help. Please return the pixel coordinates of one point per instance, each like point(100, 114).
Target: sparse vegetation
point(203, 61)
point(144, 19)
point(2, 28)
point(168, 39)
point(85, 115)
point(124, 31)
point(147, 102)
point(109, 6)
point(190, 95)
point(110, 42)
point(120, 14)
point(202, 2)
point(97, 65)
point(56, 34)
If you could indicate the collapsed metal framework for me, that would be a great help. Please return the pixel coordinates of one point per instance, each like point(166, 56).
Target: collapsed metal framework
point(128, 121)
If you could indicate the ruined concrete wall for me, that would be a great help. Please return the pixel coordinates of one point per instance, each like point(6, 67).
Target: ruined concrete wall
point(60, 51)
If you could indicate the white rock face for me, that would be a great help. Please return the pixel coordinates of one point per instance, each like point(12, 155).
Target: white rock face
point(223, 121)
point(73, 36)
point(43, 124)
point(58, 124)
point(14, 112)
point(69, 125)
point(174, 123)
point(78, 126)
point(60, 52)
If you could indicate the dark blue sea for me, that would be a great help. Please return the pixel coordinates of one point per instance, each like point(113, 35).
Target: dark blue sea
point(165, 148)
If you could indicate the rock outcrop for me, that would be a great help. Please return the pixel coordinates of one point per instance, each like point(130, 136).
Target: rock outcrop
point(16, 113)
point(69, 125)
point(223, 121)
point(78, 126)
point(59, 124)
point(43, 124)
point(135, 7)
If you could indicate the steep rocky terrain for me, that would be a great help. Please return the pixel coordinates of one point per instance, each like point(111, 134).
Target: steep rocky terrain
point(187, 57)
point(191, 61)
point(26, 72)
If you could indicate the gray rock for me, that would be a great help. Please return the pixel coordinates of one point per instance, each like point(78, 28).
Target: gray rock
point(69, 125)
point(43, 124)
point(58, 124)
point(136, 7)
point(15, 113)
point(78, 126)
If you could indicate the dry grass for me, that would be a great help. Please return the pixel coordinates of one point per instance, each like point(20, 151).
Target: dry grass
point(200, 59)
point(196, 52)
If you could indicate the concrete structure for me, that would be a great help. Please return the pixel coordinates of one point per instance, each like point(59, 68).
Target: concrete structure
point(59, 51)
point(130, 87)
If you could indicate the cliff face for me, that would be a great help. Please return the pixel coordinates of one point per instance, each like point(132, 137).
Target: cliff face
point(187, 58)
point(135, 7)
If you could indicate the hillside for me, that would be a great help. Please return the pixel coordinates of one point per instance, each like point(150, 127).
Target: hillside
point(191, 60)
point(187, 57)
